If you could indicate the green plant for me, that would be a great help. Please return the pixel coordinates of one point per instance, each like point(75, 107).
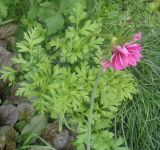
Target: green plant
point(58, 78)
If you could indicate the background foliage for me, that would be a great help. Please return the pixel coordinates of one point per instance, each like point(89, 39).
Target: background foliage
point(58, 61)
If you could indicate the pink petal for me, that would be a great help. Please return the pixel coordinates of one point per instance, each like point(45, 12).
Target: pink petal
point(105, 64)
point(132, 61)
point(133, 58)
point(137, 37)
point(133, 47)
point(121, 50)
point(119, 61)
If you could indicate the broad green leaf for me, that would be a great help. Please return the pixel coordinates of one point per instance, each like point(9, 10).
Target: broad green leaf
point(43, 14)
point(36, 126)
point(54, 23)
point(32, 13)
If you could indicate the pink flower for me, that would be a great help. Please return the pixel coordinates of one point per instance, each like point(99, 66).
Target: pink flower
point(126, 55)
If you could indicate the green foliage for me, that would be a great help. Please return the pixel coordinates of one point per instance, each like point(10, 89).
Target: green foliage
point(80, 42)
point(32, 38)
point(58, 77)
point(12, 10)
point(8, 73)
point(113, 89)
point(51, 13)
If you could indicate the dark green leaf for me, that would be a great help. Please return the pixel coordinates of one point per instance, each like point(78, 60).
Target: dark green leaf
point(54, 23)
point(32, 13)
point(36, 126)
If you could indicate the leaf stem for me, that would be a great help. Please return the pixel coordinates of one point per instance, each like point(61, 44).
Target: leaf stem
point(66, 124)
point(91, 108)
point(60, 124)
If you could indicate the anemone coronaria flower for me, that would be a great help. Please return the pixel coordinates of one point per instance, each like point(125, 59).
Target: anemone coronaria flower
point(126, 55)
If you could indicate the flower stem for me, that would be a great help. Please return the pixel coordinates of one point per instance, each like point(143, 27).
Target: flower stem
point(91, 108)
